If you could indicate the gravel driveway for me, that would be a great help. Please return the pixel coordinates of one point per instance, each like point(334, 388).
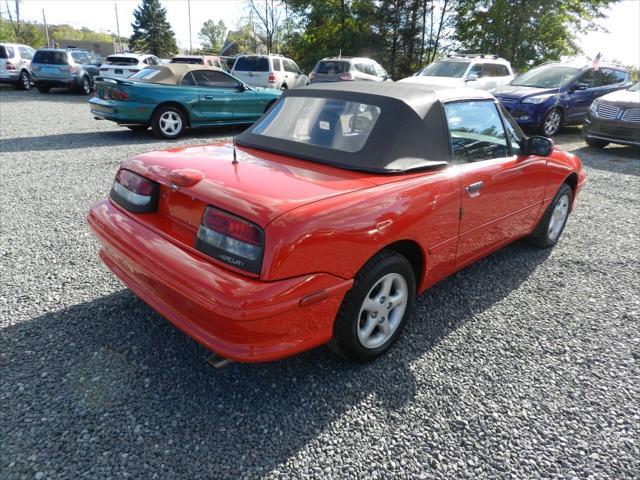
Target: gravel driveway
point(523, 365)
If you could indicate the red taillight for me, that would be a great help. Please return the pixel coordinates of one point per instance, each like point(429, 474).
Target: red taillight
point(231, 239)
point(10, 66)
point(347, 76)
point(272, 77)
point(117, 94)
point(134, 192)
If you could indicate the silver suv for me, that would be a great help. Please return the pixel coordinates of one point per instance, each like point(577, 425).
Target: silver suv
point(71, 68)
point(269, 71)
point(15, 64)
point(338, 69)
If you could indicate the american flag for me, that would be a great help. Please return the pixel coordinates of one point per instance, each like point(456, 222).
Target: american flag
point(596, 61)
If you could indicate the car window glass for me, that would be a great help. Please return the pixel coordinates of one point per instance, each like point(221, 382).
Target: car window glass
point(214, 79)
point(289, 66)
point(476, 70)
point(323, 122)
point(26, 53)
point(80, 58)
point(590, 78)
point(516, 137)
point(50, 57)
point(380, 72)
point(296, 68)
point(445, 68)
point(331, 67)
point(476, 131)
point(501, 70)
point(187, 80)
point(6, 52)
point(369, 70)
point(277, 65)
point(609, 76)
point(252, 64)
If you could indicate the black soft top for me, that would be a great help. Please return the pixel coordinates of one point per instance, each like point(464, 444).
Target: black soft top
point(410, 133)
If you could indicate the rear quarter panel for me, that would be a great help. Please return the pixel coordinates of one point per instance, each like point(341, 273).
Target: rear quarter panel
point(340, 234)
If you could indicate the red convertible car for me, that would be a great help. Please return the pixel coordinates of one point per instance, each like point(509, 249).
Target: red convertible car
point(329, 215)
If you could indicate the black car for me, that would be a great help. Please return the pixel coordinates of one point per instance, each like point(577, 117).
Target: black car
point(614, 118)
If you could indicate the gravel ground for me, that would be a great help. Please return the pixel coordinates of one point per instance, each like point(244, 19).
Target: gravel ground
point(523, 365)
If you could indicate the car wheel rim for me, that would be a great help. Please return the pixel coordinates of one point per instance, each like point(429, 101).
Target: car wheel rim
point(85, 86)
point(558, 217)
point(25, 81)
point(170, 123)
point(382, 310)
point(552, 123)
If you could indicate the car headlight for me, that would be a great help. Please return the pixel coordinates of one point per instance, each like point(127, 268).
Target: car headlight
point(537, 99)
point(594, 107)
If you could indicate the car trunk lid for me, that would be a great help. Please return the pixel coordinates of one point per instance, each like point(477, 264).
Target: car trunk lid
point(259, 187)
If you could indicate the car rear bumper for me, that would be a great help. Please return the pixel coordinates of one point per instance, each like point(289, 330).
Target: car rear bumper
point(237, 317)
point(11, 76)
point(56, 82)
point(120, 112)
point(614, 131)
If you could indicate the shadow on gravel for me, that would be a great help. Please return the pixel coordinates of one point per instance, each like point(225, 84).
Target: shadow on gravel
point(8, 95)
point(66, 141)
point(614, 158)
point(121, 382)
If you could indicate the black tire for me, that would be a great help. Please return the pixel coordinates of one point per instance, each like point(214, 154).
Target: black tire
point(345, 341)
point(85, 87)
point(596, 143)
point(24, 81)
point(284, 87)
point(156, 119)
point(550, 130)
point(541, 235)
point(43, 88)
point(138, 128)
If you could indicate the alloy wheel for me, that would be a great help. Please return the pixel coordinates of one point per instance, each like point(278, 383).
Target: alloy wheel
point(170, 123)
point(552, 123)
point(86, 88)
point(26, 81)
point(382, 310)
point(558, 217)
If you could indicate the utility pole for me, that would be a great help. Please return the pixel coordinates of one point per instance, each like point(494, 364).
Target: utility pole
point(189, 8)
point(115, 4)
point(46, 28)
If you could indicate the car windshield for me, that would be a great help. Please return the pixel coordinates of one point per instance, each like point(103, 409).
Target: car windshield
point(323, 122)
point(332, 67)
point(51, 57)
point(252, 64)
point(445, 68)
point(546, 77)
point(146, 73)
point(635, 87)
point(122, 60)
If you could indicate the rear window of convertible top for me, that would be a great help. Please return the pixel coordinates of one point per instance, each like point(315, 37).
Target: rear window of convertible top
point(323, 122)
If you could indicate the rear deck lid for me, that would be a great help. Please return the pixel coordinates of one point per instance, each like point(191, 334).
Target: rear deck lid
point(259, 187)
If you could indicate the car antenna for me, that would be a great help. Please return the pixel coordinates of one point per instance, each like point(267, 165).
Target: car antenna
point(233, 133)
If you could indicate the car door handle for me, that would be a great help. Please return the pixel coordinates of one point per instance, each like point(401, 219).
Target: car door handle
point(209, 97)
point(474, 189)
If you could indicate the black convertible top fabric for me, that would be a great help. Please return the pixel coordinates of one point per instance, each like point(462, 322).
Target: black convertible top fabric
point(410, 133)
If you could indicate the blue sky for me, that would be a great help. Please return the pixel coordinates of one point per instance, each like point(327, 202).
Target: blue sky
point(621, 42)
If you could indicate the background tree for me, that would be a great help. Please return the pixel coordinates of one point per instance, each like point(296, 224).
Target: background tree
point(151, 31)
point(213, 35)
point(268, 15)
point(526, 32)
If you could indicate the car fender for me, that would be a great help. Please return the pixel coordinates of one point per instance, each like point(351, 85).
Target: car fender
point(339, 234)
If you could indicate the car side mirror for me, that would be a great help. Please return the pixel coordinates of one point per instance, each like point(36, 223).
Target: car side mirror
point(580, 86)
point(472, 77)
point(241, 87)
point(540, 146)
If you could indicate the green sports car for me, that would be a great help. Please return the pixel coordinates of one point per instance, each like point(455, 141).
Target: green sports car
point(170, 98)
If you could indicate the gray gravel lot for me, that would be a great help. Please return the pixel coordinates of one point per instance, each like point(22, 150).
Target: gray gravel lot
point(524, 365)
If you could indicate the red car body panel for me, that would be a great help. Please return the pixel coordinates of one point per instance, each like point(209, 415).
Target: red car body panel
point(321, 225)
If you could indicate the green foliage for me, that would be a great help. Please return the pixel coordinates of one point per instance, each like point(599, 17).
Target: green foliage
point(240, 40)
point(328, 27)
point(212, 35)
point(151, 31)
point(526, 32)
point(67, 32)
